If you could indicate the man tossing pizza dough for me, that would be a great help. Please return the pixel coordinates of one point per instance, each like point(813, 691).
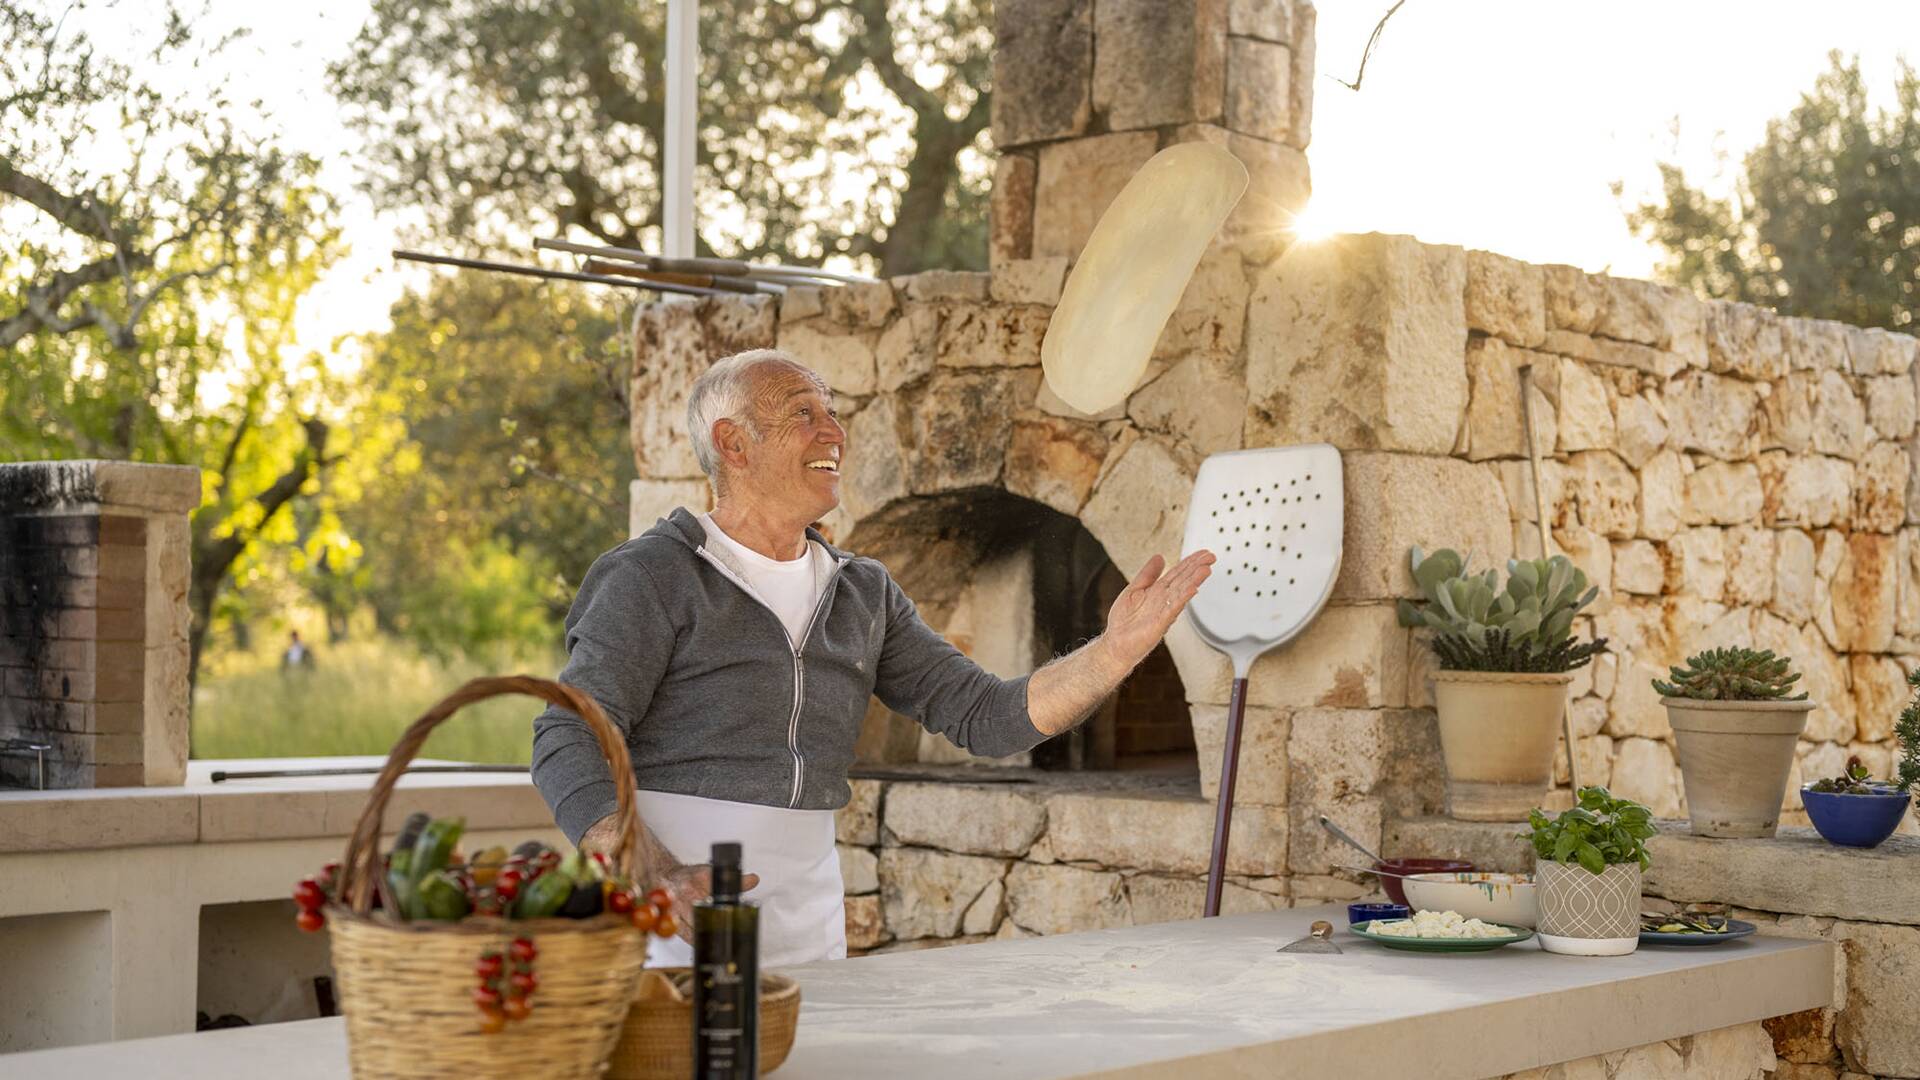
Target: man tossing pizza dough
point(736, 650)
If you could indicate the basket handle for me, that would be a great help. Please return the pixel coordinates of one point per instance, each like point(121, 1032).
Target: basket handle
point(361, 864)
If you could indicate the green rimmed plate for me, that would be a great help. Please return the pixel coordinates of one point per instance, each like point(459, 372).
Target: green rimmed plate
point(1443, 945)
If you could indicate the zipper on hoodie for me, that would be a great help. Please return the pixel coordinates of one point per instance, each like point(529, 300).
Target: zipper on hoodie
point(799, 666)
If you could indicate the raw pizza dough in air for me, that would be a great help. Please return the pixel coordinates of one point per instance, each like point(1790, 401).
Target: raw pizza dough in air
point(1134, 269)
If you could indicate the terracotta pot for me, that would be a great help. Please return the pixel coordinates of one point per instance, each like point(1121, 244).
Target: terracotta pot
point(1734, 757)
point(1497, 733)
point(1587, 914)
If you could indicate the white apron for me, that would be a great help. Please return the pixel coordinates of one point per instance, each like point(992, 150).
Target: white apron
point(802, 915)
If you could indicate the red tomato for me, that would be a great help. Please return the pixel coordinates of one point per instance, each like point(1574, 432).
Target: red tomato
point(522, 950)
point(526, 982)
point(620, 901)
point(518, 1008)
point(309, 895)
point(661, 899)
point(665, 926)
point(310, 920)
point(488, 967)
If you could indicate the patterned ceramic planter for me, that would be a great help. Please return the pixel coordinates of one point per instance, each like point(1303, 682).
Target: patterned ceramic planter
point(1588, 914)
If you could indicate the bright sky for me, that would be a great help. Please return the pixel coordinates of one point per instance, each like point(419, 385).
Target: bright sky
point(1497, 124)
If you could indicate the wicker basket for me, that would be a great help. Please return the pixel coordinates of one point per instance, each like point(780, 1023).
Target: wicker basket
point(407, 988)
point(657, 1041)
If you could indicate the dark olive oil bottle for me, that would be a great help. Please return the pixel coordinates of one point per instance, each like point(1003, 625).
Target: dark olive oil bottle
point(726, 977)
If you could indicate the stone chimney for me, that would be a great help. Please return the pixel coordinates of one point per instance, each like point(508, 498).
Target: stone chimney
point(1085, 91)
point(93, 623)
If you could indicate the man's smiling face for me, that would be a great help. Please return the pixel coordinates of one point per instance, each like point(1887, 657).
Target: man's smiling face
point(799, 454)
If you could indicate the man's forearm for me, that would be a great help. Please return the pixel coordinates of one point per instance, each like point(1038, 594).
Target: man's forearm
point(1066, 691)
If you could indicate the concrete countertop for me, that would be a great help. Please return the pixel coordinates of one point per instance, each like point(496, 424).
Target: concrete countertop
point(1210, 998)
point(201, 811)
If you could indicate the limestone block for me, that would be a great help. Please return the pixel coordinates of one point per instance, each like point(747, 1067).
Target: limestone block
point(1029, 281)
point(1300, 84)
point(1865, 591)
point(1740, 1052)
point(1815, 344)
point(1750, 565)
point(1195, 401)
point(1323, 889)
point(1160, 62)
point(1880, 488)
point(1389, 508)
point(1805, 490)
point(1804, 1037)
point(1042, 71)
point(862, 304)
point(1278, 185)
point(1793, 578)
point(1635, 708)
point(1212, 312)
point(1605, 493)
point(906, 350)
point(1596, 761)
point(983, 915)
point(650, 500)
point(858, 822)
point(1786, 413)
point(1078, 179)
point(1713, 414)
point(1638, 568)
point(1697, 562)
point(1720, 493)
point(1351, 657)
point(1010, 209)
point(1360, 341)
point(1157, 899)
point(991, 335)
point(1606, 671)
point(972, 819)
point(1338, 756)
point(1315, 852)
point(1744, 340)
point(1268, 20)
point(1589, 716)
point(926, 893)
point(1634, 311)
point(1877, 757)
point(1614, 354)
point(1495, 423)
point(1575, 299)
point(1506, 298)
point(1879, 693)
point(866, 926)
point(859, 870)
point(1139, 507)
point(1585, 419)
point(1890, 405)
point(1166, 835)
point(733, 324)
point(844, 360)
point(1640, 427)
point(1065, 899)
point(669, 354)
point(1592, 554)
point(1644, 770)
point(1662, 495)
point(966, 285)
point(1687, 319)
point(1824, 676)
point(801, 302)
point(962, 425)
point(1875, 1030)
point(1873, 351)
point(875, 471)
point(1054, 462)
point(1261, 777)
point(1258, 97)
point(1907, 617)
point(1839, 419)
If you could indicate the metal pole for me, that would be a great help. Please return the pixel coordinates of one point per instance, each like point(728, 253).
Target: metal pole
point(551, 275)
point(683, 75)
point(1546, 549)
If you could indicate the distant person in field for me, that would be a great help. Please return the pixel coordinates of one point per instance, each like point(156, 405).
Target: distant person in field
point(297, 657)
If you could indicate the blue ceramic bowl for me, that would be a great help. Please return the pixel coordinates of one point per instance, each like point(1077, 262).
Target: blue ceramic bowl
point(1359, 913)
point(1855, 820)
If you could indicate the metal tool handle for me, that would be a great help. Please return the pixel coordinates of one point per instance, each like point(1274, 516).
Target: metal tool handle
point(1223, 809)
point(1327, 824)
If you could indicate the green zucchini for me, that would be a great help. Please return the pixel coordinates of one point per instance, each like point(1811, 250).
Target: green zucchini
point(543, 896)
point(441, 897)
point(435, 847)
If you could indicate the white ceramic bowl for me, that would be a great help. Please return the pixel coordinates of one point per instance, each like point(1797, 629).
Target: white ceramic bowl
point(1501, 898)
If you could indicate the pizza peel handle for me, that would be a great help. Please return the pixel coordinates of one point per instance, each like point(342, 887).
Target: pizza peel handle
point(1274, 520)
point(1133, 270)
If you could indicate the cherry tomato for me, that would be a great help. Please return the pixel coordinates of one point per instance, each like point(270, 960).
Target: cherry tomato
point(492, 1021)
point(665, 926)
point(488, 967)
point(661, 899)
point(600, 857)
point(511, 873)
point(620, 901)
point(310, 920)
point(309, 895)
point(517, 1008)
point(506, 890)
point(524, 982)
point(644, 917)
point(522, 950)
point(486, 997)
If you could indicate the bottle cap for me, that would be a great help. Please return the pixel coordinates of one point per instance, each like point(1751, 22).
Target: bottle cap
point(726, 871)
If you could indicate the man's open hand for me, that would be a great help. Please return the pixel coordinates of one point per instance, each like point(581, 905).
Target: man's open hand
point(688, 885)
point(1145, 610)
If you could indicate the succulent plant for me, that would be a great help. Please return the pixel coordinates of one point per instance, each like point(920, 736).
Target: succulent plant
point(1733, 674)
point(1907, 729)
point(1853, 780)
point(1526, 627)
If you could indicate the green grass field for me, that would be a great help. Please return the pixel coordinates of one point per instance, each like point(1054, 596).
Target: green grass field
point(357, 699)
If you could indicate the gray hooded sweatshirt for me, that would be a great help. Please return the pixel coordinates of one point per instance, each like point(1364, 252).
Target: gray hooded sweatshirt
point(715, 700)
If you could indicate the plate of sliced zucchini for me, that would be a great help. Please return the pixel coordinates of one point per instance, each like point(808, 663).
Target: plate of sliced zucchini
point(1690, 928)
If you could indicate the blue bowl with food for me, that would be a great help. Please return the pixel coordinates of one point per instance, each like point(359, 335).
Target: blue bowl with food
point(1360, 913)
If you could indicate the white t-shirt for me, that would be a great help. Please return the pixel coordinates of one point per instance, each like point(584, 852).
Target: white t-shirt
point(802, 913)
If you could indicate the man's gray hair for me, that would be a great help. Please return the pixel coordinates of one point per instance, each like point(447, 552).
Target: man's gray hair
point(725, 392)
